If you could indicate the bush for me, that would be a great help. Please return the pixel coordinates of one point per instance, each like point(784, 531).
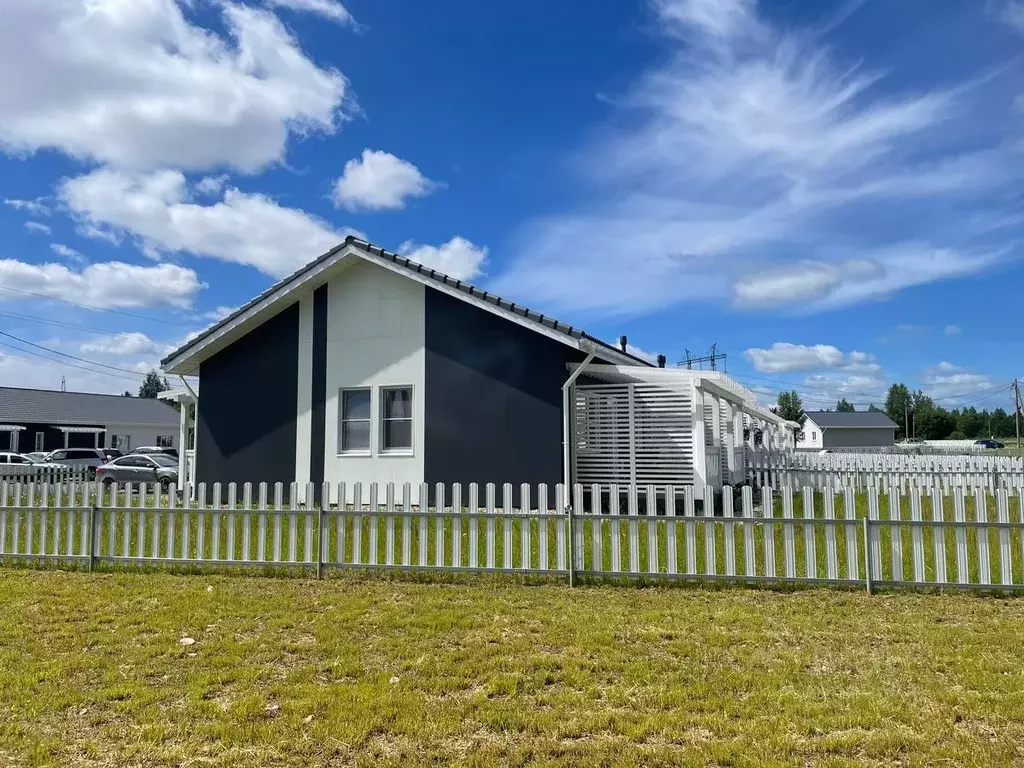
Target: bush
point(956, 434)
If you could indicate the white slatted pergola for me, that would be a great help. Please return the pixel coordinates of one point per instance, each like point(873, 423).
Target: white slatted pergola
point(667, 426)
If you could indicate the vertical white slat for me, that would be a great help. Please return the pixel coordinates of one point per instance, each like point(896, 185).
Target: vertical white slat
point(215, 526)
point(809, 526)
point(90, 494)
point(341, 525)
point(474, 526)
point(939, 535)
point(671, 544)
point(917, 535)
point(729, 530)
point(357, 523)
point(1003, 515)
point(201, 522)
point(309, 510)
point(30, 518)
point(261, 524)
point(981, 514)
point(389, 524)
point(457, 517)
point(44, 517)
point(963, 573)
point(710, 561)
point(831, 550)
point(690, 530)
point(231, 518)
point(140, 522)
point(424, 512)
point(560, 543)
point(323, 534)
point(788, 534)
point(489, 537)
point(651, 521)
point(506, 547)
point(171, 540)
point(577, 544)
point(439, 506)
point(374, 507)
point(58, 519)
point(3, 518)
point(126, 518)
point(154, 521)
point(633, 531)
point(525, 558)
point(895, 532)
point(16, 524)
point(596, 543)
point(107, 499)
point(747, 502)
point(293, 521)
point(852, 534)
point(278, 524)
point(407, 524)
point(768, 514)
point(616, 532)
point(544, 526)
point(246, 553)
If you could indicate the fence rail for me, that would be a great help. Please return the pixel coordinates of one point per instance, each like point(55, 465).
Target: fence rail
point(921, 538)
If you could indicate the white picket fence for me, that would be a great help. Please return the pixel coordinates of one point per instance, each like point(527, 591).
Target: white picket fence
point(919, 539)
point(875, 470)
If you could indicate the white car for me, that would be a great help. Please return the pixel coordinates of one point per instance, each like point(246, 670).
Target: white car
point(76, 458)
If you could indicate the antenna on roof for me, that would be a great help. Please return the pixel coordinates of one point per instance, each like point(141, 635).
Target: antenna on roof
point(63, 384)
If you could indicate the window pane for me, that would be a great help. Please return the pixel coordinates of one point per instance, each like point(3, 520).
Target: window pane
point(355, 436)
point(398, 434)
point(355, 404)
point(397, 403)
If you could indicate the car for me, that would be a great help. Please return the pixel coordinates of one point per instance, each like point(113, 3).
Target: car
point(149, 450)
point(112, 453)
point(140, 468)
point(988, 444)
point(77, 458)
point(36, 456)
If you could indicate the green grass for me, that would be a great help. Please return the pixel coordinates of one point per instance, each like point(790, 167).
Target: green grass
point(294, 672)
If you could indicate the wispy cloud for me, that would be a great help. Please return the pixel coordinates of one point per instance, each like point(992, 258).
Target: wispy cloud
point(743, 170)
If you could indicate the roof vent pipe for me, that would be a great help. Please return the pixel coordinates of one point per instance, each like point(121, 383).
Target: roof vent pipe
point(661, 361)
point(622, 343)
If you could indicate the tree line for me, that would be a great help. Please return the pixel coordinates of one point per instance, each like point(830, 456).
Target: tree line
point(917, 415)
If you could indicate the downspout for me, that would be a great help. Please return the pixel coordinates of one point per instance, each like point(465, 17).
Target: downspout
point(567, 456)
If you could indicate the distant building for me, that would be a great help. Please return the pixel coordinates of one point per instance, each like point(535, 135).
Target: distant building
point(838, 429)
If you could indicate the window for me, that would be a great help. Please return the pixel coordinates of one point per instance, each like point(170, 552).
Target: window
point(40, 437)
point(800, 436)
point(122, 443)
point(15, 458)
point(164, 441)
point(354, 426)
point(396, 419)
point(814, 435)
point(58, 456)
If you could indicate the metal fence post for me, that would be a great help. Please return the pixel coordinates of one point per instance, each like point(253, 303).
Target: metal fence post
point(867, 555)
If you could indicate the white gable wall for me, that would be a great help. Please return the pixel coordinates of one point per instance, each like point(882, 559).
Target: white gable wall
point(140, 435)
point(811, 437)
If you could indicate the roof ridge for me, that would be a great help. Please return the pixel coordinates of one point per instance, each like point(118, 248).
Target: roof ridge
point(71, 392)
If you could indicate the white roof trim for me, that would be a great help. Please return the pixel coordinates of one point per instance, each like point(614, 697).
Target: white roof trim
point(10, 428)
point(184, 363)
point(83, 430)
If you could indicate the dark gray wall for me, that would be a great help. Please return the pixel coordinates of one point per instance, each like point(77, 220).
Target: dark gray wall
point(855, 437)
point(245, 425)
point(493, 399)
point(53, 437)
point(318, 388)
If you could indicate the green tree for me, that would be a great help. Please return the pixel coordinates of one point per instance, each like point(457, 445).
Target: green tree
point(153, 385)
point(872, 408)
point(845, 406)
point(789, 406)
point(898, 403)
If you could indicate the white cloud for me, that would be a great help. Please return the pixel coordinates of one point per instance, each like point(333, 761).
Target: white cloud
point(36, 226)
point(33, 207)
point(158, 211)
point(67, 252)
point(211, 185)
point(744, 167)
point(218, 313)
point(329, 9)
point(108, 284)
point(784, 357)
point(122, 345)
point(952, 330)
point(643, 354)
point(138, 84)
point(950, 382)
point(379, 181)
point(30, 371)
point(457, 258)
point(1012, 13)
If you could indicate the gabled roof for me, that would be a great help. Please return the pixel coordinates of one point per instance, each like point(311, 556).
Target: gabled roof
point(186, 358)
point(860, 419)
point(47, 406)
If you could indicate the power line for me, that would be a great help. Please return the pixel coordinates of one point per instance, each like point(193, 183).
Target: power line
point(69, 357)
point(72, 326)
point(71, 365)
point(93, 307)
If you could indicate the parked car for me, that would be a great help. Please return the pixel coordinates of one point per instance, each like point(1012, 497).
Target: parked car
point(988, 444)
point(149, 450)
point(112, 453)
point(77, 458)
point(140, 468)
point(10, 457)
point(36, 456)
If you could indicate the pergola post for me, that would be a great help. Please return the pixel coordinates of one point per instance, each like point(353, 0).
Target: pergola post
point(183, 418)
point(700, 469)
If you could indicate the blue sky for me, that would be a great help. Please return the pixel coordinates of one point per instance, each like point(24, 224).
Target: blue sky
point(830, 191)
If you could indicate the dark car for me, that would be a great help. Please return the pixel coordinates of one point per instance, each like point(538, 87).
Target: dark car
point(988, 444)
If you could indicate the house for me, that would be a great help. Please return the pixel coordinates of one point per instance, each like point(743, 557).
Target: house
point(45, 419)
point(840, 429)
point(365, 366)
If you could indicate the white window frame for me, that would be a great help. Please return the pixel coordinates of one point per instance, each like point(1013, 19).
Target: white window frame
point(342, 450)
point(40, 440)
point(165, 441)
point(121, 443)
point(382, 420)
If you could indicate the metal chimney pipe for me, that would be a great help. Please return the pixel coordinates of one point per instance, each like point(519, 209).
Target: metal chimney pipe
point(622, 343)
point(661, 361)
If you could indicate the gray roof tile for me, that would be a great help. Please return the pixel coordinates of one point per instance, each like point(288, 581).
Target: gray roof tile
point(825, 419)
point(47, 406)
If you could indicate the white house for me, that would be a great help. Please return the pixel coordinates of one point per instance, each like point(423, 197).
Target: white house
point(840, 429)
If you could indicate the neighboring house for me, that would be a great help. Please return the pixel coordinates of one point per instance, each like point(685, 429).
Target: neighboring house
point(44, 420)
point(841, 429)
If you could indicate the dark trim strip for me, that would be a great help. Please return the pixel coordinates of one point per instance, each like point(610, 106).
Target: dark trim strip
point(317, 442)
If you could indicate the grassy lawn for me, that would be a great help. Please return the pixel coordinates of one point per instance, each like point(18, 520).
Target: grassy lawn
point(368, 671)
